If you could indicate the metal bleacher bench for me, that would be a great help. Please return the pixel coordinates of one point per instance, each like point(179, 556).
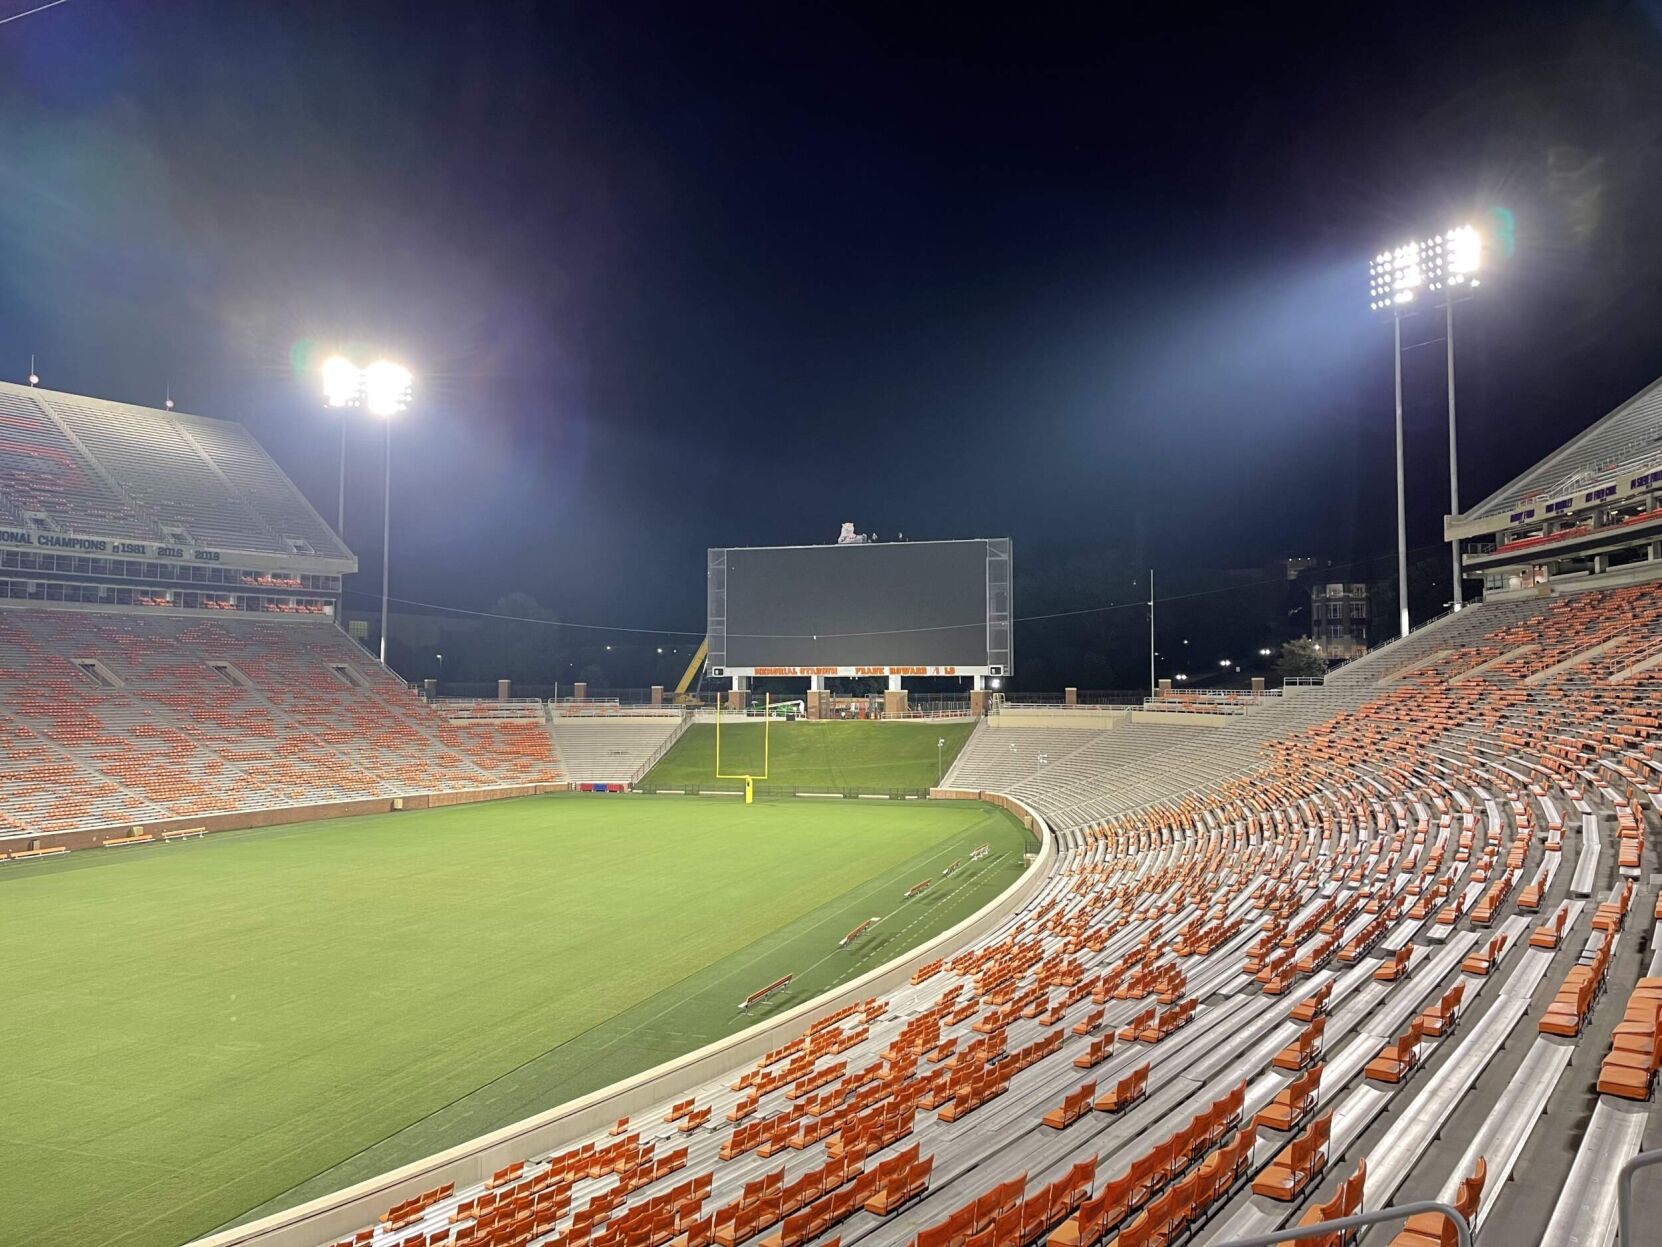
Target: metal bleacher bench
point(184, 832)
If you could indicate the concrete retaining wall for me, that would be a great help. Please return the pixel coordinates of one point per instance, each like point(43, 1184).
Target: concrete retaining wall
point(280, 816)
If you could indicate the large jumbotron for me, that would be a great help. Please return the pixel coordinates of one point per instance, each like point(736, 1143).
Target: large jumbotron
point(1214, 971)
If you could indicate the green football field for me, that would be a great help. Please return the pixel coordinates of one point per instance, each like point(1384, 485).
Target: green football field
point(203, 1031)
point(830, 756)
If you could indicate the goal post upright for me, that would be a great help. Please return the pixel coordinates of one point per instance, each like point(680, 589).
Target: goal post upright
point(748, 778)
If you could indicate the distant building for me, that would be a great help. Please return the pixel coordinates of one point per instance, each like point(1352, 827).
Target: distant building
point(1296, 567)
point(1339, 619)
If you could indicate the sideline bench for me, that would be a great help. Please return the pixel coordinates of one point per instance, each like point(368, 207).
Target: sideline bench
point(25, 854)
point(136, 838)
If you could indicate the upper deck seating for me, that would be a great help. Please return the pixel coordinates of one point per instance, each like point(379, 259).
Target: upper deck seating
point(113, 470)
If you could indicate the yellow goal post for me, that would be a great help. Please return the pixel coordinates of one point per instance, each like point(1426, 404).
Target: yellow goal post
point(749, 779)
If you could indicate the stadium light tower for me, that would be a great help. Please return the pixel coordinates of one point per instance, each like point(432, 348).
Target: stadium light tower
point(384, 389)
point(386, 393)
point(1399, 280)
point(341, 390)
point(1465, 259)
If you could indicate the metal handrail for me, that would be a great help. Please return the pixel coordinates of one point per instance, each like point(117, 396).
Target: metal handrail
point(1315, 681)
point(645, 769)
point(1398, 1212)
point(1624, 1194)
point(1385, 645)
point(441, 700)
point(1235, 694)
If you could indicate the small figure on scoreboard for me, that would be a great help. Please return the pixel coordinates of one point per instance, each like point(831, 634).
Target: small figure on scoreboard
point(848, 537)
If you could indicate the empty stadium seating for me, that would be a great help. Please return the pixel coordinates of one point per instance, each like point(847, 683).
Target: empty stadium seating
point(112, 719)
point(1329, 889)
point(612, 744)
point(113, 470)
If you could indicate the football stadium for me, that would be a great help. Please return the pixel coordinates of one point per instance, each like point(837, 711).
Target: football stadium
point(304, 949)
point(856, 933)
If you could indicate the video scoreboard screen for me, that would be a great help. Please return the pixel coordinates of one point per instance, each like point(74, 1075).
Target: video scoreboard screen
point(914, 608)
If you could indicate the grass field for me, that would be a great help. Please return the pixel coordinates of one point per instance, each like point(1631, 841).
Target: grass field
point(830, 756)
point(198, 1032)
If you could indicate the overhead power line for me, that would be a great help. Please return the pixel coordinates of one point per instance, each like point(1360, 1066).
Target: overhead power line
point(39, 8)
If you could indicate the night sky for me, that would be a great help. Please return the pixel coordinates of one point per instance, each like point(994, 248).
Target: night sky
point(695, 275)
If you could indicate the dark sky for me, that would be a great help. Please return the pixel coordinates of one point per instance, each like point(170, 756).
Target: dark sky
point(698, 275)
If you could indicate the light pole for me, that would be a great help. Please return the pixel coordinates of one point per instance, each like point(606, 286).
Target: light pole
point(384, 389)
point(1453, 447)
point(1465, 258)
point(1444, 262)
point(1153, 685)
point(386, 539)
point(1402, 493)
point(940, 766)
point(341, 386)
point(340, 506)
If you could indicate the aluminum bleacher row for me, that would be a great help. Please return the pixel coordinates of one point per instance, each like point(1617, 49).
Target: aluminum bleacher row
point(614, 744)
point(1347, 961)
point(112, 719)
point(1114, 774)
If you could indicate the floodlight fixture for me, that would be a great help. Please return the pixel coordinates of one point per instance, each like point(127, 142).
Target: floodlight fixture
point(1448, 261)
point(342, 382)
point(386, 388)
